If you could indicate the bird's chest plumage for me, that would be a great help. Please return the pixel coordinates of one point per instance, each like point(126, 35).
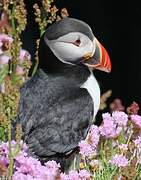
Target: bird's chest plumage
point(55, 117)
point(54, 105)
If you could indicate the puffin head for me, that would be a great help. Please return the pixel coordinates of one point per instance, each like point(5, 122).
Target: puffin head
point(73, 43)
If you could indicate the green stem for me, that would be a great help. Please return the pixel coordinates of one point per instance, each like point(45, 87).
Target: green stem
point(11, 161)
point(17, 150)
point(42, 30)
point(113, 173)
point(15, 35)
point(130, 135)
point(13, 21)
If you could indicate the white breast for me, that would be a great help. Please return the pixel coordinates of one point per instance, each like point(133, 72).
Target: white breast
point(93, 88)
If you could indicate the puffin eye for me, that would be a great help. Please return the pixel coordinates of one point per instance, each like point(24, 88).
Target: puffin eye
point(77, 42)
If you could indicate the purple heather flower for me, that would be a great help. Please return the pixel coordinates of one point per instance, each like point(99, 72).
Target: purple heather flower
point(85, 148)
point(138, 142)
point(120, 118)
point(136, 119)
point(119, 160)
point(4, 59)
point(84, 175)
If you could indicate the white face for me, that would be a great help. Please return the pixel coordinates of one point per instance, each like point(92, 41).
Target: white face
point(71, 47)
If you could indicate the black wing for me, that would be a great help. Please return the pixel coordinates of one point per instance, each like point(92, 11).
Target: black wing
point(53, 122)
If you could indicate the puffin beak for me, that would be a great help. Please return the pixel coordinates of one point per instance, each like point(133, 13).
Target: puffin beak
point(99, 60)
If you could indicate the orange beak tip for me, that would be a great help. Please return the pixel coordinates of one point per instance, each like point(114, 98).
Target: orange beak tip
point(105, 62)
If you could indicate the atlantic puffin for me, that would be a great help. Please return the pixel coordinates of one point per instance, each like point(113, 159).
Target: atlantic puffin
point(59, 103)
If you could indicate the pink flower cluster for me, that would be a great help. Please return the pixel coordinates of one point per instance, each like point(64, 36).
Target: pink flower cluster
point(113, 124)
point(88, 147)
point(74, 175)
point(6, 40)
point(136, 119)
point(29, 168)
point(138, 142)
point(119, 160)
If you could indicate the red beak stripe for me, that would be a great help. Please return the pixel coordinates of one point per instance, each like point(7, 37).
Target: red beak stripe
point(105, 63)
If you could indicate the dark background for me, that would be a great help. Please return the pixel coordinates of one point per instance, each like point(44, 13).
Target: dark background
point(118, 27)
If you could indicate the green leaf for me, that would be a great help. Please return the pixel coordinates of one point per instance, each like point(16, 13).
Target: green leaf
point(15, 78)
point(3, 73)
point(2, 134)
point(121, 138)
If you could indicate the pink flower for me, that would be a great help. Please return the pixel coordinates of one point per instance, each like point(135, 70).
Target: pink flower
point(106, 116)
point(4, 59)
point(85, 148)
point(120, 118)
point(119, 160)
point(4, 160)
point(133, 108)
point(63, 176)
point(138, 142)
point(21, 176)
point(94, 136)
point(24, 55)
point(136, 119)
point(73, 175)
point(5, 42)
point(19, 70)
point(112, 125)
point(6, 37)
point(53, 167)
point(25, 169)
point(28, 168)
point(84, 175)
point(108, 128)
